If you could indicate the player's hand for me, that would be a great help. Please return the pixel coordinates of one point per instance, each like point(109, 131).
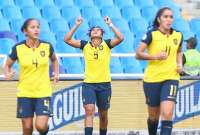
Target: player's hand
point(9, 75)
point(79, 20)
point(107, 20)
point(55, 77)
point(161, 56)
point(179, 69)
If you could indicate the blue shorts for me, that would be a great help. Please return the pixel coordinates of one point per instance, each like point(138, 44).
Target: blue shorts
point(158, 92)
point(26, 107)
point(99, 93)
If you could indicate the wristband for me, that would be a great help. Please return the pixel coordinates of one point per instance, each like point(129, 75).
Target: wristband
point(111, 24)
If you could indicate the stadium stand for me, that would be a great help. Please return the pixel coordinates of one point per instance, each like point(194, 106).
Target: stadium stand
point(132, 17)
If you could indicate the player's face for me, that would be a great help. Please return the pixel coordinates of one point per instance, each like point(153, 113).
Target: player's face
point(33, 29)
point(96, 32)
point(166, 19)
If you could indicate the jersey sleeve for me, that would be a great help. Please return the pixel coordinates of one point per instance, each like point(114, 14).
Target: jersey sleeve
point(181, 40)
point(83, 43)
point(147, 38)
point(13, 53)
point(108, 43)
point(51, 50)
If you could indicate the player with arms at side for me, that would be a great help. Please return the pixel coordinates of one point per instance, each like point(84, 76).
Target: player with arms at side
point(161, 77)
point(34, 87)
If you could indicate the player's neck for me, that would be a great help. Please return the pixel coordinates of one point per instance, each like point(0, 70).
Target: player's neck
point(96, 41)
point(165, 31)
point(32, 43)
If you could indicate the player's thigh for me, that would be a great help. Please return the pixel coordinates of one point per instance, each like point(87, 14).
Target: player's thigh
point(88, 93)
point(104, 93)
point(169, 90)
point(25, 107)
point(152, 93)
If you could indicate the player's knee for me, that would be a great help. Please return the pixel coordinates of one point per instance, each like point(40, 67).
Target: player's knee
point(89, 111)
point(167, 115)
point(103, 118)
point(154, 116)
point(41, 128)
point(28, 129)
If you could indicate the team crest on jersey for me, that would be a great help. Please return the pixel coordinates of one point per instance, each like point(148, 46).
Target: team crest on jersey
point(175, 41)
point(100, 47)
point(42, 53)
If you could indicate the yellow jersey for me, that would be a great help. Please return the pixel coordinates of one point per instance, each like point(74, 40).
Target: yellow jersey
point(34, 80)
point(97, 61)
point(161, 70)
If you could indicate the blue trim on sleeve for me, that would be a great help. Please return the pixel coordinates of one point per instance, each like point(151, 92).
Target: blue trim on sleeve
point(108, 43)
point(83, 43)
point(51, 50)
point(147, 38)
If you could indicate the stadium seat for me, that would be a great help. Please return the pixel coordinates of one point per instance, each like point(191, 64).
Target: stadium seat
point(44, 25)
point(73, 65)
point(4, 3)
point(121, 24)
point(4, 25)
point(138, 26)
point(43, 3)
point(60, 35)
point(187, 35)
point(115, 65)
point(143, 64)
point(16, 25)
point(84, 3)
point(48, 37)
point(176, 11)
point(90, 12)
point(63, 3)
point(195, 25)
point(111, 11)
point(6, 45)
point(163, 3)
point(102, 3)
point(20, 36)
point(62, 47)
point(131, 65)
point(11, 12)
point(83, 27)
point(130, 12)
point(68, 10)
point(126, 46)
point(123, 3)
point(50, 12)
point(24, 3)
point(31, 12)
point(59, 25)
point(82, 35)
point(149, 13)
point(181, 25)
point(143, 3)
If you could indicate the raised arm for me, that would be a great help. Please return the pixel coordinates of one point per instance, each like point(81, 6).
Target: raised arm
point(118, 36)
point(68, 37)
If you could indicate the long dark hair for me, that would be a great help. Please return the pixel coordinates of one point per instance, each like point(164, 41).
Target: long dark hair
point(156, 24)
point(26, 23)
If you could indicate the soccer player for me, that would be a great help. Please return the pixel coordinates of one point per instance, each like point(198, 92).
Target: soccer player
point(96, 86)
point(34, 87)
point(161, 77)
